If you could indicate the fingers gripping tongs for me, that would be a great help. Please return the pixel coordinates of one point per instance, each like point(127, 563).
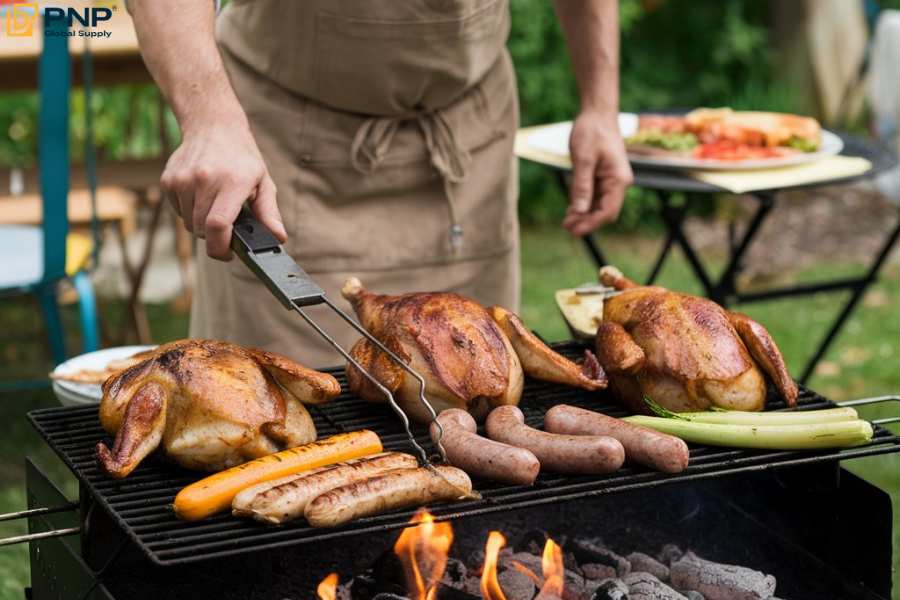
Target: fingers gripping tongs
point(261, 251)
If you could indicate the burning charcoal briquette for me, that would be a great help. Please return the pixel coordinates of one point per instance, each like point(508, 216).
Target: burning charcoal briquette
point(389, 597)
point(717, 581)
point(588, 552)
point(644, 562)
point(453, 593)
point(388, 572)
point(669, 554)
point(516, 585)
point(532, 541)
point(644, 586)
point(455, 572)
point(475, 561)
point(597, 572)
point(611, 589)
point(526, 559)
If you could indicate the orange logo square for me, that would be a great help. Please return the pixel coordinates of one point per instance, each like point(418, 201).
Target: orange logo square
point(20, 19)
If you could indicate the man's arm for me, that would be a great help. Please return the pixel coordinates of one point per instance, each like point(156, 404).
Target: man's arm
point(218, 166)
point(600, 169)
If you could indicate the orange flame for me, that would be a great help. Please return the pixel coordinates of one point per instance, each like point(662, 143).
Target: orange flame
point(327, 589)
point(423, 550)
point(554, 571)
point(490, 586)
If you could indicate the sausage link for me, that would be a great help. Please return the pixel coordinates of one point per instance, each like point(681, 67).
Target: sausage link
point(395, 489)
point(572, 454)
point(287, 500)
point(660, 451)
point(481, 457)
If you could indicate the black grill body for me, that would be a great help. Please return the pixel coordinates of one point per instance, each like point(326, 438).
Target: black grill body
point(128, 526)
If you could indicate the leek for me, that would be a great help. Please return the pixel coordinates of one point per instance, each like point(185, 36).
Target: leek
point(807, 436)
point(743, 417)
point(800, 417)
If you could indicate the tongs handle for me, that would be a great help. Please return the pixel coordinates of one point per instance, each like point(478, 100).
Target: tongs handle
point(261, 251)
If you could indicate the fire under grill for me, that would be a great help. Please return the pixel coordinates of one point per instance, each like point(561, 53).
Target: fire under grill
point(141, 504)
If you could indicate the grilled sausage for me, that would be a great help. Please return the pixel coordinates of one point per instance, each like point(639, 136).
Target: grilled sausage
point(240, 506)
point(395, 489)
point(558, 453)
point(660, 451)
point(481, 457)
point(287, 501)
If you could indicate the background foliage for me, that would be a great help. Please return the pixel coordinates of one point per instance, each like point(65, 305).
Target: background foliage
point(675, 53)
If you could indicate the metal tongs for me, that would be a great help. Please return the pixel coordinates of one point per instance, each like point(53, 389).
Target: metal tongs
point(260, 250)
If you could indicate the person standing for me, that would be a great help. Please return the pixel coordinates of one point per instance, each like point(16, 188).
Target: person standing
point(384, 129)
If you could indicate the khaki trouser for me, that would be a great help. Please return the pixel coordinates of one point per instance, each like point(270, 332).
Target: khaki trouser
point(413, 199)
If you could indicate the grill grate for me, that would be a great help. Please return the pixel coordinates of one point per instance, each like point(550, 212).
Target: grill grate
point(140, 504)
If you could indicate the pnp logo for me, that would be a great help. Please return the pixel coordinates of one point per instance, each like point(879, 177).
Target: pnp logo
point(20, 19)
point(90, 18)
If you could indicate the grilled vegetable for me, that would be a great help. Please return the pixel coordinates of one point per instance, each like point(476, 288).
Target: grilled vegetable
point(215, 493)
point(799, 417)
point(810, 436)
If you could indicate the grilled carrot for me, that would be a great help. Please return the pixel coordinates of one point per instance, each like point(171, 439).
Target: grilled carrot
point(215, 493)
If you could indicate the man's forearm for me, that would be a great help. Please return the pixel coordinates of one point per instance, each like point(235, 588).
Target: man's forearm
point(182, 56)
point(591, 28)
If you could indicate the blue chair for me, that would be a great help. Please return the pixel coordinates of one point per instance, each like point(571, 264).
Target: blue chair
point(36, 259)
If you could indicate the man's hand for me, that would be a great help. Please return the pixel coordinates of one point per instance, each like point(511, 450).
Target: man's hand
point(217, 167)
point(600, 173)
point(208, 178)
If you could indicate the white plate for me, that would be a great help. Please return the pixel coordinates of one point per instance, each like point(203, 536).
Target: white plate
point(555, 139)
point(82, 393)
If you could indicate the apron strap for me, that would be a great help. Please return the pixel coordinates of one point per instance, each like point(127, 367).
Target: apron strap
point(373, 141)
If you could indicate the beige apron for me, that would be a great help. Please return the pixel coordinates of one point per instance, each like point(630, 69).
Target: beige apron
point(388, 127)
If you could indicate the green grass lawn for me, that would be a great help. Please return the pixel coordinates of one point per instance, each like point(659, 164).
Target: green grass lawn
point(864, 360)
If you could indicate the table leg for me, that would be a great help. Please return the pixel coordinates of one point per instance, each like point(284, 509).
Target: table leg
point(673, 217)
point(859, 289)
point(725, 288)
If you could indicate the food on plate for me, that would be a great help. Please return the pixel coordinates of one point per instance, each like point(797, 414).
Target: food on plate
point(101, 375)
point(648, 447)
point(807, 436)
point(471, 358)
point(685, 352)
point(287, 500)
point(480, 456)
point(725, 134)
point(216, 492)
point(208, 405)
point(572, 454)
point(400, 488)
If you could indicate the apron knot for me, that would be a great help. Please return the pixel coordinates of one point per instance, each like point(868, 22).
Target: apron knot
point(373, 140)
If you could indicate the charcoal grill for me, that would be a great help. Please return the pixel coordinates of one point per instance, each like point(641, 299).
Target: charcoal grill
point(137, 510)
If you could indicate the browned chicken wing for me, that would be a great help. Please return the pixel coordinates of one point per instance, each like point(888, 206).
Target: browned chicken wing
point(685, 352)
point(471, 357)
point(209, 405)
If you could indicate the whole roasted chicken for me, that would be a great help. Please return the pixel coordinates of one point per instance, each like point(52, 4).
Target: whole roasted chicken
point(685, 352)
point(208, 405)
point(471, 357)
